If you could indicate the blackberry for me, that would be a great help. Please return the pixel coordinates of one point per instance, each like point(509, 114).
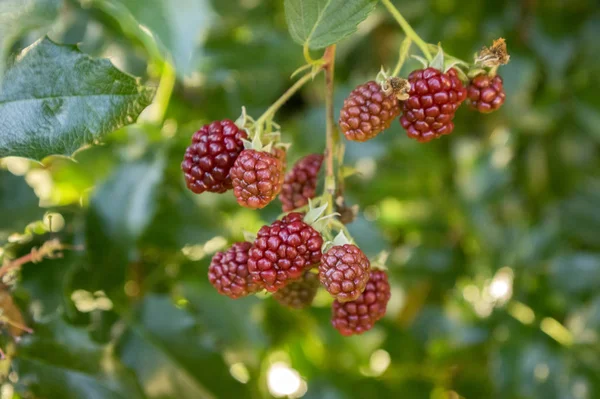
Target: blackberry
point(228, 272)
point(300, 183)
point(300, 293)
point(434, 99)
point(257, 178)
point(356, 317)
point(344, 271)
point(485, 93)
point(283, 251)
point(367, 112)
point(208, 160)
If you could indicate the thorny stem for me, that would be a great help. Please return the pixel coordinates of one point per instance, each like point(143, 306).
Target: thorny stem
point(408, 30)
point(284, 97)
point(332, 136)
point(36, 255)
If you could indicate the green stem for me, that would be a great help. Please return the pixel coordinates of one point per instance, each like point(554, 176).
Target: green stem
point(164, 91)
point(285, 96)
point(408, 30)
point(404, 48)
point(332, 136)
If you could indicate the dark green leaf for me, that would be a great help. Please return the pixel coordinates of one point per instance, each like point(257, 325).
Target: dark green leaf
point(320, 23)
point(55, 99)
point(172, 358)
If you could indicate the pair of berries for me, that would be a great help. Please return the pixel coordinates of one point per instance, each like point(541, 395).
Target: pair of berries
point(281, 253)
point(216, 161)
point(427, 113)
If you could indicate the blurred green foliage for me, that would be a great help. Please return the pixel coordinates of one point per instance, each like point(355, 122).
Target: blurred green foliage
point(494, 231)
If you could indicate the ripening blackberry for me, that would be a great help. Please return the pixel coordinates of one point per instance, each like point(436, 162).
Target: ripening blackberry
point(208, 160)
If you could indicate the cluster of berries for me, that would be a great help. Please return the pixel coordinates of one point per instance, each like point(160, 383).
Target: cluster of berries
point(282, 257)
point(281, 260)
point(427, 103)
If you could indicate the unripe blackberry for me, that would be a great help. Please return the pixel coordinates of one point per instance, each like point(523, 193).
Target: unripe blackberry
point(434, 99)
point(283, 251)
point(344, 271)
point(300, 293)
point(367, 112)
point(356, 317)
point(257, 178)
point(228, 272)
point(209, 158)
point(485, 93)
point(300, 183)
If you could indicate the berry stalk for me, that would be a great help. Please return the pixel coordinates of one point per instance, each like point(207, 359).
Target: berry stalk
point(408, 30)
point(282, 100)
point(404, 48)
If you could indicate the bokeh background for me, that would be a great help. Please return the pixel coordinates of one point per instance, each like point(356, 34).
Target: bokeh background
point(493, 232)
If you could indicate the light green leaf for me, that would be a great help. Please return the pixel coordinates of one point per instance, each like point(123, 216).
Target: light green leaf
point(55, 99)
point(172, 358)
point(21, 16)
point(178, 26)
point(61, 361)
point(321, 23)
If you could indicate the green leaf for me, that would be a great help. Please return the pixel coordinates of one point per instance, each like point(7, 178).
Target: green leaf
point(178, 26)
point(18, 204)
point(171, 357)
point(55, 99)
point(21, 16)
point(321, 23)
point(120, 211)
point(61, 361)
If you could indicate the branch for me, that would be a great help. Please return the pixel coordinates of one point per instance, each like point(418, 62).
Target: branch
point(332, 137)
point(47, 250)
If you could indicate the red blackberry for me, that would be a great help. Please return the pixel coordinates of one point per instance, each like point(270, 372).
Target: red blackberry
point(257, 177)
point(367, 112)
point(283, 251)
point(434, 99)
point(300, 293)
point(213, 151)
point(228, 272)
point(356, 317)
point(300, 183)
point(344, 271)
point(485, 93)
